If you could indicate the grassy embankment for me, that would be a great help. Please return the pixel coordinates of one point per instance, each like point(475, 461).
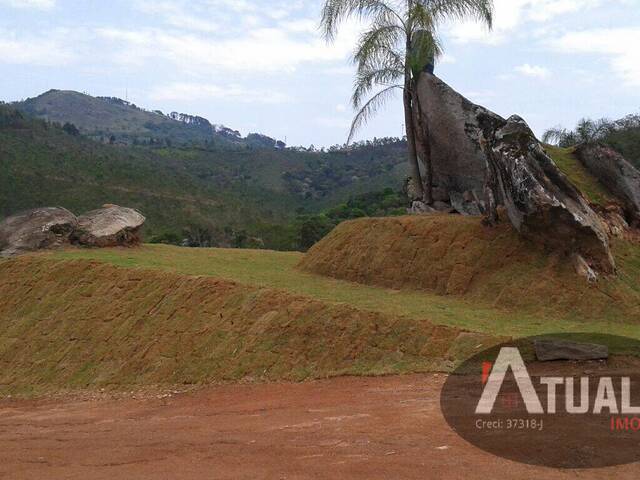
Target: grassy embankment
point(165, 315)
point(69, 324)
point(526, 293)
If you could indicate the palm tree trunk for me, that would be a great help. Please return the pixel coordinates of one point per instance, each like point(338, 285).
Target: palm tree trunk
point(423, 146)
point(409, 121)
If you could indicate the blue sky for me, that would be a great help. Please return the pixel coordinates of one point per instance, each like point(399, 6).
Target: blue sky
point(261, 66)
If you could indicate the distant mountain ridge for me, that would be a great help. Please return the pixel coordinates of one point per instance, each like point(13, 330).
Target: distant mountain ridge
point(113, 120)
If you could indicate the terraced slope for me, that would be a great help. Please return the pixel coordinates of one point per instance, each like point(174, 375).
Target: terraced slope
point(81, 324)
point(457, 256)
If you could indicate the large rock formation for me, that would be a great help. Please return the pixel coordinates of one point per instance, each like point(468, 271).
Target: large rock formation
point(459, 165)
point(46, 228)
point(109, 226)
point(619, 176)
point(478, 154)
point(540, 200)
point(36, 229)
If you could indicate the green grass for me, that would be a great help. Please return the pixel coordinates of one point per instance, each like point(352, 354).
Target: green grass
point(567, 162)
point(277, 270)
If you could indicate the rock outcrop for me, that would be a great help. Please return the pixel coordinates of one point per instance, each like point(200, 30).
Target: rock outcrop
point(618, 176)
point(52, 227)
point(35, 230)
point(459, 164)
point(477, 154)
point(109, 226)
point(554, 350)
point(540, 201)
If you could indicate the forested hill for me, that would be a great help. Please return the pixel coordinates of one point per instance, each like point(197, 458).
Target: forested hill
point(113, 120)
point(236, 197)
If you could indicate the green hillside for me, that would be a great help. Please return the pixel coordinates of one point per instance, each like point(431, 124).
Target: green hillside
point(229, 196)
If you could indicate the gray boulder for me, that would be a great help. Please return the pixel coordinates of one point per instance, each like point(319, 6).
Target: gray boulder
point(552, 350)
point(619, 176)
point(459, 163)
point(540, 201)
point(477, 153)
point(36, 229)
point(420, 208)
point(466, 204)
point(109, 226)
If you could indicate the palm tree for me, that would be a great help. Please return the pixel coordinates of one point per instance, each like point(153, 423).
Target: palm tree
point(401, 40)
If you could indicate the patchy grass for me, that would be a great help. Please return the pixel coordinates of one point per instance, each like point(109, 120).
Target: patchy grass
point(527, 293)
point(80, 324)
point(161, 315)
point(465, 262)
point(567, 162)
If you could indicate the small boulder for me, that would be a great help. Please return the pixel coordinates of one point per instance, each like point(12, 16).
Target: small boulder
point(583, 269)
point(466, 204)
point(36, 229)
point(443, 207)
point(552, 350)
point(109, 226)
point(420, 208)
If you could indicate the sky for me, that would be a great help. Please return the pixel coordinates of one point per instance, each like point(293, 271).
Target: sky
point(262, 65)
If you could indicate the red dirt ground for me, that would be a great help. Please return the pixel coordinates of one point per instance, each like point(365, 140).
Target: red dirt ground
point(352, 428)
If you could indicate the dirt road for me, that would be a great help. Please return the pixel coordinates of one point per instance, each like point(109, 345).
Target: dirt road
point(385, 428)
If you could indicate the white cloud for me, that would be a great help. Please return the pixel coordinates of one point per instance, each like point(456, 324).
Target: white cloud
point(218, 16)
point(510, 14)
point(175, 14)
point(37, 4)
point(340, 123)
point(206, 91)
point(259, 50)
point(535, 71)
point(53, 50)
point(481, 97)
point(618, 45)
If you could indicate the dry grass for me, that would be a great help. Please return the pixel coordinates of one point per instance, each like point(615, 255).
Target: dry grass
point(166, 315)
point(457, 256)
point(80, 324)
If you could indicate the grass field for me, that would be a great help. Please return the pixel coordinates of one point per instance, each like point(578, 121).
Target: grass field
point(77, 324)
point(159, 315)
point(278, 270)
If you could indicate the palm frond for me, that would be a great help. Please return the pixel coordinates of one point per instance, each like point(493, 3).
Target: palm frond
point(381, 40)
point(370, 108)
point(368, 78)
point(444, 10)
point(336, 11)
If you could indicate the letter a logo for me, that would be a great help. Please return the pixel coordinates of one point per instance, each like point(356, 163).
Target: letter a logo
point(509, 358)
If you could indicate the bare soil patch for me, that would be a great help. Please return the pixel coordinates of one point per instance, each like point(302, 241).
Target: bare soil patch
point(347, 428)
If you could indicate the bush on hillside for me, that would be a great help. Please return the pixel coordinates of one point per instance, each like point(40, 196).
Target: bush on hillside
point(623, 135)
